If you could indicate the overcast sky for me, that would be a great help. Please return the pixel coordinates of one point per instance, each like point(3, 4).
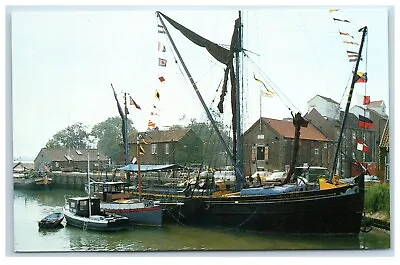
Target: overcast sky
point(64, 60)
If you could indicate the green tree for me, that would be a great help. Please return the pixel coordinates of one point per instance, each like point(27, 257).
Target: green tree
point(74, 136)
point(108, 134)
point(213, 154)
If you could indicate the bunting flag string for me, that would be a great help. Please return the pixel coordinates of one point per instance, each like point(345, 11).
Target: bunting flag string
point(345, 29)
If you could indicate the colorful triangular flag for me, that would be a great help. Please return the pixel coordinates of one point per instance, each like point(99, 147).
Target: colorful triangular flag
point(132, 102)
point(157, 95)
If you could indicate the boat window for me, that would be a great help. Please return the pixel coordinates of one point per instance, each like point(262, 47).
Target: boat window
point(83, 205)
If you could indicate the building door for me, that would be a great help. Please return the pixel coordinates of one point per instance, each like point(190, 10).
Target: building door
point(260, 153)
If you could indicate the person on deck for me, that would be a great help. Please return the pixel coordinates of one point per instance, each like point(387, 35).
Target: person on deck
point(258, 179)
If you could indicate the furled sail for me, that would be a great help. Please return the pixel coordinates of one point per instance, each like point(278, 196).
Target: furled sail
point(121, 113)
point(221, 54)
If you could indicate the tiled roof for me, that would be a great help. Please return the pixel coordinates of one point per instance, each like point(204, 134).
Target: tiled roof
point(59, 154)
point(327, 99)
point(374, 104)
point(158, 136)
point(286, 129)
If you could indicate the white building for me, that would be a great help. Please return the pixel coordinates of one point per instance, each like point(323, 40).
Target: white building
point(379, 106)
point(327, 107)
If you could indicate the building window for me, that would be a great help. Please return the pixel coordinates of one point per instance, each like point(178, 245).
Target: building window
point(260, 153)
point(354, 135)
point(167, 148)
point(316, 151)
point(153, 149)
point(57, 165)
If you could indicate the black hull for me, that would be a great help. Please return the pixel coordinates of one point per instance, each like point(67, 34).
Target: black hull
point(327, 215)
point(334, 212)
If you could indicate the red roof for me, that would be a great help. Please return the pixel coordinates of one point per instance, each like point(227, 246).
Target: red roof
point(286, 129)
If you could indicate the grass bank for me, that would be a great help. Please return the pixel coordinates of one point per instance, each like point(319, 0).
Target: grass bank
point(377, 201)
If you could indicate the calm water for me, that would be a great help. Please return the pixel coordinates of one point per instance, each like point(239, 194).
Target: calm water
point(31, 206)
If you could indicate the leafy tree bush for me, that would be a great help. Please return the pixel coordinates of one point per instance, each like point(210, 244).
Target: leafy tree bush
point(377, 198)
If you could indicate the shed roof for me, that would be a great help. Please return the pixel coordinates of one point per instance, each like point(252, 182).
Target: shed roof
point(325, 98)
point(286, 129)
point(63, 154)
point(374, 104)
point(159, 136)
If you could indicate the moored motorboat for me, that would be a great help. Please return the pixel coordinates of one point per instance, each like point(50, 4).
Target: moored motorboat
point(78, 213)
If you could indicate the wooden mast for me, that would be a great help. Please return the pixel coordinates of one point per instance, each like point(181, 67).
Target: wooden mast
point(354, 80)
point(213, 123)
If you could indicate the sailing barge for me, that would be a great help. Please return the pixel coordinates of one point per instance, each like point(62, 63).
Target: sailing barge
point(286, 208)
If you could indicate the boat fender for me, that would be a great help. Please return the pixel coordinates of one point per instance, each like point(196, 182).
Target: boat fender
point(352, 190)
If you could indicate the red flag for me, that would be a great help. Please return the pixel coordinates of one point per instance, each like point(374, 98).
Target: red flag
point(361, 146)
point(367, 100)
point(161, 78)
point(364, 122)
point(132, 102)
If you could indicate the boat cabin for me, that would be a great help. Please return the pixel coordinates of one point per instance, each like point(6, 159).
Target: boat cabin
point(310, 173)
point(80, 206)
point(110, 191)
